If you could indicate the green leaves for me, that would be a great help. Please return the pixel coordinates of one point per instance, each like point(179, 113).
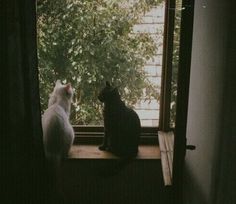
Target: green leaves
point(89, 42)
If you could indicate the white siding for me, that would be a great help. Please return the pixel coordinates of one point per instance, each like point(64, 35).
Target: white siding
point(152, 23)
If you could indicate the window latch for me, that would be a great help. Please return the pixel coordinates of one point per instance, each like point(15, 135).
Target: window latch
point(190, 147)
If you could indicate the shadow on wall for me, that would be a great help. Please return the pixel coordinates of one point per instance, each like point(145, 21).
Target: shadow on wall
point(193, 193)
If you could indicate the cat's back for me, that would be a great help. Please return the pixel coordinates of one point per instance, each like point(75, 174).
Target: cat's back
point(57, 131)
point(54, 116)
point(129, 116)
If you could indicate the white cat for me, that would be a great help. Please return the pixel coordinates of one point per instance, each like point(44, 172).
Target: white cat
point(58, 134)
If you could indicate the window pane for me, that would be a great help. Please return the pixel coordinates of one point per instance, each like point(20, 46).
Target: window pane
point(89, 42)
point(175, 62)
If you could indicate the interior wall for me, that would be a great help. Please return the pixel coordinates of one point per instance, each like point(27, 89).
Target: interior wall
point(209, 56)
point(101, 181)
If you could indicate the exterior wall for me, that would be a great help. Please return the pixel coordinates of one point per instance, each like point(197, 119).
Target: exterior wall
point(152, 23)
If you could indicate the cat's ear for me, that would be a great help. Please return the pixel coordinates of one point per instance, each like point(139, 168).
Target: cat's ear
point(108, 84)
point(58, 82)
point(68, 87)
point(115, 90)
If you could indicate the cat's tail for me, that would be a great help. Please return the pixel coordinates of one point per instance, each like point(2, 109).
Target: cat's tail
point(55, 176)
point(54, 162)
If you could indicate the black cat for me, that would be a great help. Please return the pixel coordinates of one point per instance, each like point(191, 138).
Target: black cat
point(121, 124)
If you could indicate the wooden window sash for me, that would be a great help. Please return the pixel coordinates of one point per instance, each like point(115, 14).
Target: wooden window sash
point(169, 23)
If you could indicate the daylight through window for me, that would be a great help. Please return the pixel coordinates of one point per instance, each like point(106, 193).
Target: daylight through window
point(90, 42)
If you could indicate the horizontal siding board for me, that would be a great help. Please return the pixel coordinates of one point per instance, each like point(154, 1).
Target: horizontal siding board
point(148, 114)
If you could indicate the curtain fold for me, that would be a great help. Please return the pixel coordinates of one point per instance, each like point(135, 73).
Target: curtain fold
point(23, 169)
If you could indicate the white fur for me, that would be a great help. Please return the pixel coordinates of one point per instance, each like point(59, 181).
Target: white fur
point(58, 134)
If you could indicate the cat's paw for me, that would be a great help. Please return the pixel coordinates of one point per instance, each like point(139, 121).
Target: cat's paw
point(102, 147)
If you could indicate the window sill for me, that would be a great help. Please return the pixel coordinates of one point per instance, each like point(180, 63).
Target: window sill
point(92, 152)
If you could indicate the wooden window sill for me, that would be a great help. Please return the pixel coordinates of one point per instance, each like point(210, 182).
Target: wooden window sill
point(92, 152)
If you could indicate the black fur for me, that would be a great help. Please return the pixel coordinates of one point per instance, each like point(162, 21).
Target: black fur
point(121, 124)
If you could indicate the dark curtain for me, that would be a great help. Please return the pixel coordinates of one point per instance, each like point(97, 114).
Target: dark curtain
point(225, 185)
point(22, 168)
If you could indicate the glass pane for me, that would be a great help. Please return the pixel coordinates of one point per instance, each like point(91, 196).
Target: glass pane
point(175, 62)
point(89, 42)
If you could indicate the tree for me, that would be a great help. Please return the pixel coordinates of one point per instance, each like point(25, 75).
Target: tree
point(89, 42)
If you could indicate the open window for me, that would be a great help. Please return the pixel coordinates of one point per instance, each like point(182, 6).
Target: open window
point(141, 46)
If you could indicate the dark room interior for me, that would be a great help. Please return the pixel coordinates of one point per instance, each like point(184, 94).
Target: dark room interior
point(206, 175)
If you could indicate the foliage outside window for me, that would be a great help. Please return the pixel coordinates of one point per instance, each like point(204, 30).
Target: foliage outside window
point(89, 42)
